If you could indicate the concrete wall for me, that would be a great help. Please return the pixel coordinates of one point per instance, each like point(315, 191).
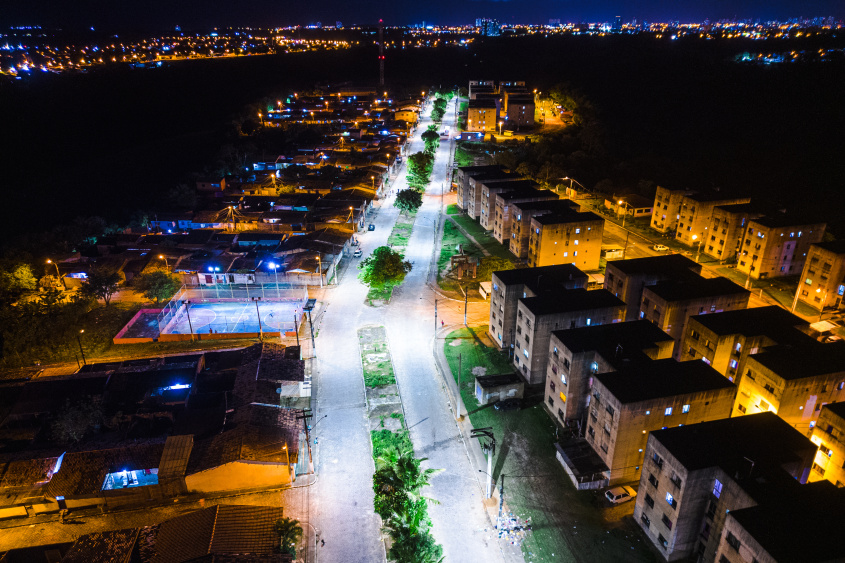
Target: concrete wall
point(239, 475)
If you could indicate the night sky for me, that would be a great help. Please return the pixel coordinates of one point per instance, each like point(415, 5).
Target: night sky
point(164, 14)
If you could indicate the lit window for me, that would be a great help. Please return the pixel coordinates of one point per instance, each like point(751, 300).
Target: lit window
point(738, 347)
point(668, 411)
point(577, 231)
point(733, 364)
point(648, 412)
point(671, 500)
point(576, 242)
point(685, 409)
point(588, 322)
point(525, 352)
point(130, 478)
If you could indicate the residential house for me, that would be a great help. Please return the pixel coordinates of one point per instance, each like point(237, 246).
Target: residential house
point(627, 278)
point(726, 340)
point(211, 185)
point(776, 246)
point(509, 286)
point(633, 206)
point(538, 316)
point(793, 382)
point(566, 238)
point(670, 303)
point(645, 396)
point(695, 475)
point(823, 277)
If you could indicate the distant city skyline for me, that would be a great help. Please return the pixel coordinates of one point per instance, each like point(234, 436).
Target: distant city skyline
point(161, 14)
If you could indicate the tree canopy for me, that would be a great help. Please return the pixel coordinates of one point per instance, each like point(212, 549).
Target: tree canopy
point(102, 283)
point(408, 200)
point(289, 532)
point(383, 266)
point(157, 285)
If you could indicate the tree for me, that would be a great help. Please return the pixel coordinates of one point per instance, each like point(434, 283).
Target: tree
point(15, 282)
point(102, 283)
point(76, 419)
point(415, 548)
point(408, 200)
point(289, 532)
point(383, 266)
point(157, 285)
point(182, 196)
point(396, 485)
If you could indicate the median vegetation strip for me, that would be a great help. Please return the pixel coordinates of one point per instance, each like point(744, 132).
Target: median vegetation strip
point(526, 437)
point(375, 357)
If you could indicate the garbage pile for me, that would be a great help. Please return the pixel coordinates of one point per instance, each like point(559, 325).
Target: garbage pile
point(513, 529)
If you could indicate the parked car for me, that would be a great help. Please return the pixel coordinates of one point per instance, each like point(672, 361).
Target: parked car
point(618, 495)
point(357, 253)
point(660, 247)
point(507, 405)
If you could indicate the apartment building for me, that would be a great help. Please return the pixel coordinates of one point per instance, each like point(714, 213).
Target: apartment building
point(793, 382)
point(781, 531)
point(823, 278)
point(628, 404)
point(627, 278)
point(538, 316)
point(521, 215)
point(487, 207)
point(775, 246)
point(519, 108)
point(696, 214)
point(503, 205)
point(725, 340)
point(829, 436)
point(566, 238)
point(472, 195)
point(670, 303)
point(727, 226)
point(482, 115)
point(695, 475)
point(509, 286)
point(462, 176)
point(667, 209)
point(578, 354)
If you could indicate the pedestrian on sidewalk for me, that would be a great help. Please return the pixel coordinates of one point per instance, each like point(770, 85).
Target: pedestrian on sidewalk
point(322, 543)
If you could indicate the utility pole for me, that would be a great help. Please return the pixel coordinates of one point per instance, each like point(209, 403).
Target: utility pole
point(381, 53)
point(295, 328)
point(490, 449)
point(458, 398)
point(435, 316)
point(311, 324)
point(466, 297)
point(188, 313)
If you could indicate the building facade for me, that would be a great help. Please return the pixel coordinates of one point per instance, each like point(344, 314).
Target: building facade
point(566, 238)
point(776, 246)
point(822, 282)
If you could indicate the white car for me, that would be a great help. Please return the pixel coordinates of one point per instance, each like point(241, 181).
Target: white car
point(618, 495)
point(358, 253)
point(660, 247)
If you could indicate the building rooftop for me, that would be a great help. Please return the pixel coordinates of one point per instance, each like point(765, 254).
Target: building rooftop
point(781, 528)
point(526, 193)
point(836, 408)
point(784, 220)
point(551, 205)
point(558, 273)
point(796, 362)
point(103, 547)
point(568, 217)
point(571, 300)
point(482, 177)
point(665, 264)
point(510, 185)
point(611, 340)
point(737, 445)
point(490, 381)
point(836, 247)
point(713, 195)
point(662, 378)
point(479, 169)
point(695, 288)
point(482, 102)
point(778, 324)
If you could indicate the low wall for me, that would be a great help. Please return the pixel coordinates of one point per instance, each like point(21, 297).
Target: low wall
point(221, 336)
point(119, 339)
point(239, 475)
point(12, 511)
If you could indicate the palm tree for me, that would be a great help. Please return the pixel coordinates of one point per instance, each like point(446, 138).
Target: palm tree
point(397, 482)
point(290, 533)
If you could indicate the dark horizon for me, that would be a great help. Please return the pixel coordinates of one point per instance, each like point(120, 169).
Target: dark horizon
point(160, 15)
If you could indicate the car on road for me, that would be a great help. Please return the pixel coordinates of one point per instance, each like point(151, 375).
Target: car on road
point(618, 495)
point(507, 405)
point(660, 247)
point(357, 253)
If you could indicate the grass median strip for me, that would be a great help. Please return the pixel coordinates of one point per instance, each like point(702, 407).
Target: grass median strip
point(375, 357)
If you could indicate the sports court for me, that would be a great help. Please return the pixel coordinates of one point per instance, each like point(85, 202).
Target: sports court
point(233, 309)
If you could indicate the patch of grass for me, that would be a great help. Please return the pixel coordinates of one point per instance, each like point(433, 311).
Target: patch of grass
point(487, 242)
point(385, 440)
point(452, 237)
point(452, 209)
point(565, 521)
point(375, 357)
point(382, 293)
point(398, 239)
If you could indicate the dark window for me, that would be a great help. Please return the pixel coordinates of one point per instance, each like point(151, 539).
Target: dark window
point(552, 386)
point(663, 543)
point(551, 402)
point(666, 522)
point(645, 520)
point(653, 480)
point(649, 501)
point(732, 541)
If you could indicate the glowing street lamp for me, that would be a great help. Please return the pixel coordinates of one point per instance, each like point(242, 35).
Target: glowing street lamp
point(320, 269)
point(79, 340)
point(373, 178)
point(276, 275)
point(698, 247)
point(163, 257)
point(257, 312)
point(500, 127)
point(58, 274)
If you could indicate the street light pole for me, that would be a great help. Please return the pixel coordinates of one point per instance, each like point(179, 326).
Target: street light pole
point(188, 313)
point(79, 340)
point(276, 276)
point(320, 270)
point(58, 274)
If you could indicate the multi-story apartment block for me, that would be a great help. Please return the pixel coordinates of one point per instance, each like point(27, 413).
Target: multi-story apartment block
point(503, 203)
point(725, 340)
point(667, 209)
point(487, 206)
point(509, 286)
point(481, 87)
point(823, 279)
point(779, 531)
point(694, 475)
point(628, 404)
point(472, 195)
point(521, 215)
point(482, 115)
point(793, 383)
point(627, 278)
point(775, 246)
point(727, 225)
point(696, 214)
point(462, 176)
point(578, 354)
point(519, 108)
point(669, 304)
point(829, 436)
point(537, 317)
point(566, 238)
